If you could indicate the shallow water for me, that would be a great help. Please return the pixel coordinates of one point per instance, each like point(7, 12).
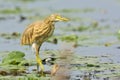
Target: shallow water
point(81, 12)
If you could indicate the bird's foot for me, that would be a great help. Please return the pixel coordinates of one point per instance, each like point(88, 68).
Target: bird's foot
point(41, 73)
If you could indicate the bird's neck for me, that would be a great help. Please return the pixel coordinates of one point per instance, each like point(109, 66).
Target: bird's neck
point(48, 21)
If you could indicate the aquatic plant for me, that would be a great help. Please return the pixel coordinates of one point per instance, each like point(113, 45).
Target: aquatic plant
point(14, 57)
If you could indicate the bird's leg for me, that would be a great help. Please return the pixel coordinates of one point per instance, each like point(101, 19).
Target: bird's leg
point(38, 59)
point(39, 63)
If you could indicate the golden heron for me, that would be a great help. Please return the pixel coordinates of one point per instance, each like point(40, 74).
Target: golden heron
point(38, 32)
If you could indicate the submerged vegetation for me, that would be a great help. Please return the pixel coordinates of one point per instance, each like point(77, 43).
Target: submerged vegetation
point(14, 35)
point(77, 10)
point(14, 64)
point(10, 11)
point(89, 29)
point(90, 64)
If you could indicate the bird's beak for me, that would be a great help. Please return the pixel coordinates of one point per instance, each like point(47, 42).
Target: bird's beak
point(62, 18)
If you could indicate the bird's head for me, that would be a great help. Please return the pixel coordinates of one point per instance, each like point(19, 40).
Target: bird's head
point(57, 17)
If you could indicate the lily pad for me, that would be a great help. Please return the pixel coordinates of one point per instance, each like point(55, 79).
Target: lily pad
point(14, 57)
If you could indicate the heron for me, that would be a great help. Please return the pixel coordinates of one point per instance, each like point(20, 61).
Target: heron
point(38, 32)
